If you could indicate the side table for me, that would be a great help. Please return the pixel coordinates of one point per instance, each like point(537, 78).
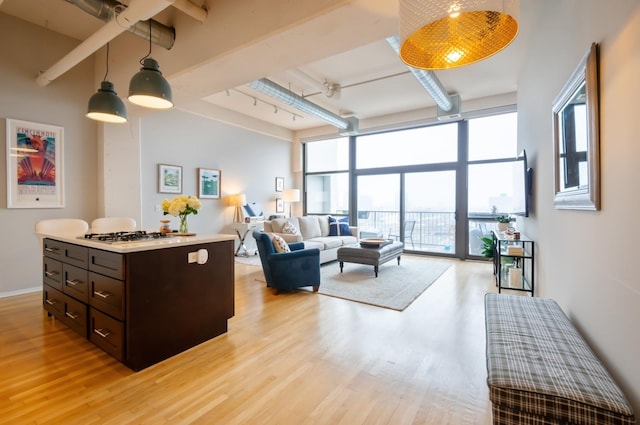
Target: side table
point(242, 230)
point(518, 273)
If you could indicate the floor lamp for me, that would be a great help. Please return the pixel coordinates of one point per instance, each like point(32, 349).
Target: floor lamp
point(291, 196)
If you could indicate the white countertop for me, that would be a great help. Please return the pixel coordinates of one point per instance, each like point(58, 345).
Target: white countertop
point(143, 245)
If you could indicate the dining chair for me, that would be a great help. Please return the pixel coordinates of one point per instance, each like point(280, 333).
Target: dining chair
point(113, 224)
point(60, 227)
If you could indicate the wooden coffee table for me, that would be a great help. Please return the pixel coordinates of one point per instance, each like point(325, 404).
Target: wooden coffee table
point(370, 253)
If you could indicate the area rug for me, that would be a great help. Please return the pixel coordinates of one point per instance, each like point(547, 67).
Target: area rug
point(252, 260)
point(396, 286)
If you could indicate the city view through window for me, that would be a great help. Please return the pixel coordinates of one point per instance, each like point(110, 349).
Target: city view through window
point(413, 184)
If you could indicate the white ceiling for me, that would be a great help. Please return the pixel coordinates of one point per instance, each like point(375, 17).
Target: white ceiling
point(373, 80)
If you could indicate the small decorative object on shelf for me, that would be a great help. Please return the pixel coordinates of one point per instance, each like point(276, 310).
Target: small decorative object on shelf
point(181, 206)
point(503, 222)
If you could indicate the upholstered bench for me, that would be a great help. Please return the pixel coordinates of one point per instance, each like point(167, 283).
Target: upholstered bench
point(373, 256)
point(540, 369)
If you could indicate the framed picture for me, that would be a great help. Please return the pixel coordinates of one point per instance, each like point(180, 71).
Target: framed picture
point(279, 205)
point(35, 171)
point(208, 183)
point(169, 178)
point(279, 184)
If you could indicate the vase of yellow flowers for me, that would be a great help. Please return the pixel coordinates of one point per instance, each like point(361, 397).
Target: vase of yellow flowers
point(181, 206)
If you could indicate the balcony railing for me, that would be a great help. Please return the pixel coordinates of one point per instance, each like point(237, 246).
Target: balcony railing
point(434, 231)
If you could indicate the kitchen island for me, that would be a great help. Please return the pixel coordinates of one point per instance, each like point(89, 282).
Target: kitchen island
point(141, 301)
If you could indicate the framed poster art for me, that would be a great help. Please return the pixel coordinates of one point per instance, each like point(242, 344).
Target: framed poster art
point(279, 205)
point(35, 168)
point(208, 183)
point(169, 178)
point(279, 184)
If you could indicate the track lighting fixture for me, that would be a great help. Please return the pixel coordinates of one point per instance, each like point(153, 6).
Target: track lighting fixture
point(347, 125)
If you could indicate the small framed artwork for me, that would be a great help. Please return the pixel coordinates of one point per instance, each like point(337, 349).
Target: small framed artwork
point(208, 183)
point(279, 205)
point(279, 184)
point(169, 178)
point(35, 172)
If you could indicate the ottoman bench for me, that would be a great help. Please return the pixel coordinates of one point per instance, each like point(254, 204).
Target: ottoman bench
point(541, 371)
point(373, 256)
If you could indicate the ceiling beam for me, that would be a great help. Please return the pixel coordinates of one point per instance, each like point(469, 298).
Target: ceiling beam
point(139, 10)
point(196, 12)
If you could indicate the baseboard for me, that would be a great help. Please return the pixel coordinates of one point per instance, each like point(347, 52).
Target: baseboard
point(20, 292)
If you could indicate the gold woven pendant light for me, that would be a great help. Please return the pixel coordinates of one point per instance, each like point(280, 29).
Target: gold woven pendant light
point(442, 34)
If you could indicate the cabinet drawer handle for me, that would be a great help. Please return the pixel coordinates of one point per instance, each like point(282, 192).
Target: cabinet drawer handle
point(72, 315)
point(102, 332)
point(51, 249)
point(50, 302)
point(73, 282)
point(102, 294)
point(49, 274)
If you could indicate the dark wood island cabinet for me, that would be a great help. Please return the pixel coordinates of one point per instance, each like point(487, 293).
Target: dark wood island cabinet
point(141, 302)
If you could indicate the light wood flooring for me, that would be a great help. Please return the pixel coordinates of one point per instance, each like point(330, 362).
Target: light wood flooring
point(295, 358)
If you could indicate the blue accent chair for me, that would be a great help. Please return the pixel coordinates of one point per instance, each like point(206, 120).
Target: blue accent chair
point(285, 271)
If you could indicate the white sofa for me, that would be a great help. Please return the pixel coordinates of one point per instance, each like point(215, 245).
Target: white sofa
point(313, 231)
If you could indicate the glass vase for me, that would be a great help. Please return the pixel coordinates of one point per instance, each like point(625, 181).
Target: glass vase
point(184, 225)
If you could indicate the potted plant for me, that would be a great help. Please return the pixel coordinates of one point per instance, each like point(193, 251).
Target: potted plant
point(503, 221)
point(487, 246)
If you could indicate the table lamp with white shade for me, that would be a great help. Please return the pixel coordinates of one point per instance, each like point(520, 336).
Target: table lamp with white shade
point(291, 196)
point(237, 201)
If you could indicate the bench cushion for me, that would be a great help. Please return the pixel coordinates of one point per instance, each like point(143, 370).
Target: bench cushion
point(540, 369)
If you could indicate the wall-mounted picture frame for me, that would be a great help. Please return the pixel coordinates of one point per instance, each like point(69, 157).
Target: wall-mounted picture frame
point(35, 169)
point(279, 205)
point(169, 178)
point(208, 183)
point(279, 184)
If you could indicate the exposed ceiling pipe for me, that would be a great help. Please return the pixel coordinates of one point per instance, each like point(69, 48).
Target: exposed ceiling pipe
point(427, 79)
point(105, 10)
point(139, 10)
point(268, 87)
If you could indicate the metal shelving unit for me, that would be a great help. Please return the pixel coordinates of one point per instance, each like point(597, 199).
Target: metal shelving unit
point(514, 262)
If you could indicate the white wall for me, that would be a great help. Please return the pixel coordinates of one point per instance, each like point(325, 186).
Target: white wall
point(586, 260)
point(249, 163)
point(62, 103)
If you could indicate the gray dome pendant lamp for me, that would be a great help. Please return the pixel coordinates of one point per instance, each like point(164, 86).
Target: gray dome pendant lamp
point(105, 105)
point(148, 88)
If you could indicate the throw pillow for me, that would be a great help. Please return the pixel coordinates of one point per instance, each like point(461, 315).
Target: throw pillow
point(309, 227)
point(344, 227)
point(289, 228)
point(279, 244)
point(339, 227)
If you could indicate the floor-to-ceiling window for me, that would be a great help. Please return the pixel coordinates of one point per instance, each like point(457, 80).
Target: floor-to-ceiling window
point(327, 176)
point(418, 206)
point(491, 188)
point(436, 188)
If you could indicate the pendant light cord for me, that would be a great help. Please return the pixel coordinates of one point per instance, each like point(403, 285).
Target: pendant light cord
point(148, 54)
point(107, 71)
